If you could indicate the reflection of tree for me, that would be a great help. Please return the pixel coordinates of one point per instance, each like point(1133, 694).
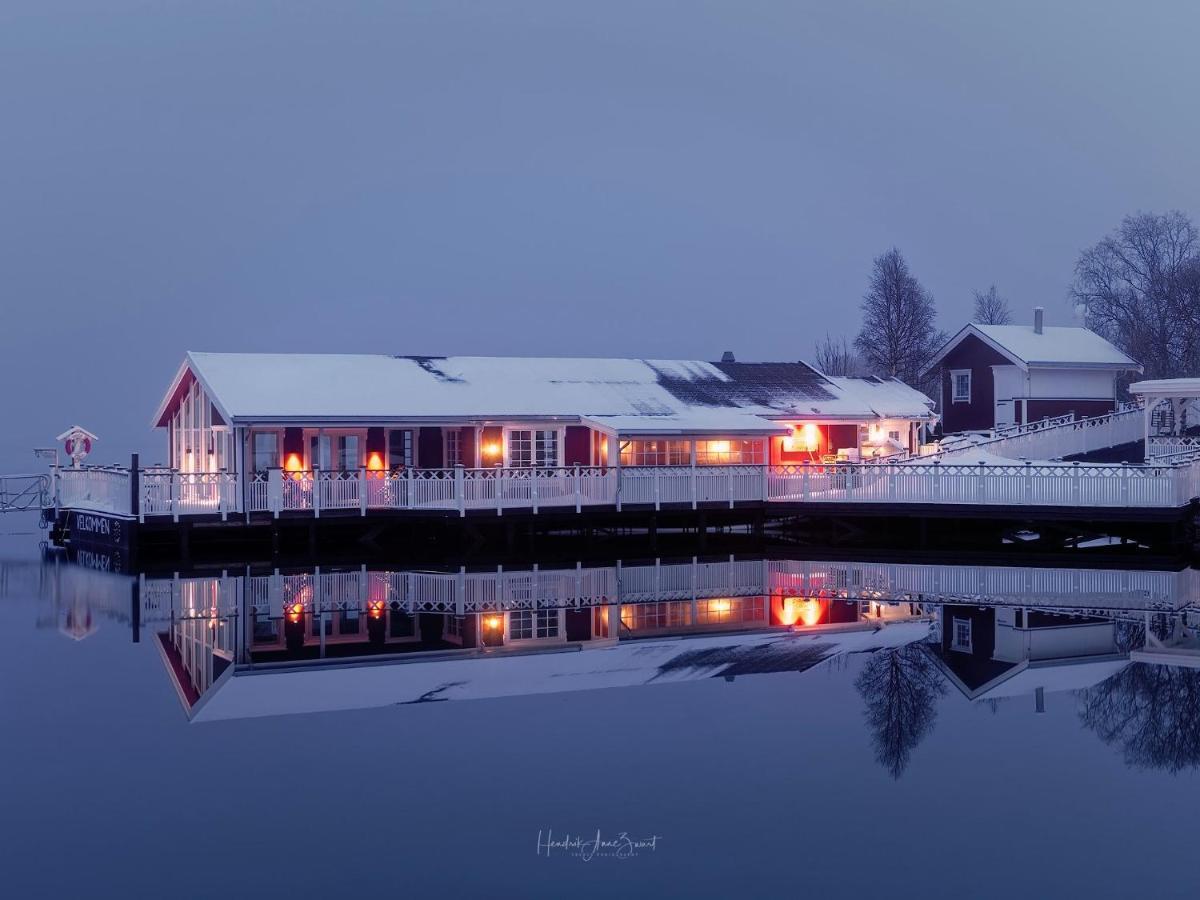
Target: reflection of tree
point(1151, 712)
point(900, 687)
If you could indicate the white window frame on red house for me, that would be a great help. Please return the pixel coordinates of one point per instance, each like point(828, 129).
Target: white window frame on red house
point(559, 437)
point(955, 397)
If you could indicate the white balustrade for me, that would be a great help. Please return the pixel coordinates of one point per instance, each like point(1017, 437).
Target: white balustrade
point(1169, 482)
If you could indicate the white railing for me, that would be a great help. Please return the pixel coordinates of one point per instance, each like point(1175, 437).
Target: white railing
point(1166, 483)
point(95, 489)
point(1058, 437)
point(1019, 484)
point(1158, 447)
point(167, 493)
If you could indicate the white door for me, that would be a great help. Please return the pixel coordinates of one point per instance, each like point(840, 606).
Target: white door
point(1004, 413)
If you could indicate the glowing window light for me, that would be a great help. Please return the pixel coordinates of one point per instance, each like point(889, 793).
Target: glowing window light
point(375, 461)
point(375, 609)
point(718, 446)
point(295, 612)
point(801, 611)
point(492, 449)
point(295, 465)
point(719, 606)
point(492, 623)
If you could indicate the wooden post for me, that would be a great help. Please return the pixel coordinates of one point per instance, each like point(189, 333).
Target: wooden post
point(274, 491)
point(460, 489)
point(316, 505)
point(578, 491)
point(135, 493)
point(362, 490)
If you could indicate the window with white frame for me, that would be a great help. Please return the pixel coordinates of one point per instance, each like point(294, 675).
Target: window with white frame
point(453, 446)
point(265, 450)
point(656, 453)
point(532, 624)
point(532, 448)
point(729, 453)
point(960, 386)
point(399, 448)
point(960, 635)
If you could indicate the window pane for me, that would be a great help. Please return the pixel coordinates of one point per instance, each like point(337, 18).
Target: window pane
point(520, 448)
point(266, 451)
point(399, 448)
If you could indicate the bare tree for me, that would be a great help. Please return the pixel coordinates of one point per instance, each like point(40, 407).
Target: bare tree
point(836, 357)
point(1139, 287)
point(991, 308)
point(901, 688)
point(1151, 712)
point(898, 334)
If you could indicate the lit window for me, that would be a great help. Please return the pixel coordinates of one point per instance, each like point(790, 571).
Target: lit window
point(656, 453)
point(960, 382)
point(960, 636)
point(729, 453)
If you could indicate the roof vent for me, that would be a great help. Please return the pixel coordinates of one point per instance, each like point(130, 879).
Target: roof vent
point(727, 356)
point(1038, 312)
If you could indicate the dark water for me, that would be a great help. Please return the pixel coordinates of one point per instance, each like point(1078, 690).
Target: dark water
point(871, 773)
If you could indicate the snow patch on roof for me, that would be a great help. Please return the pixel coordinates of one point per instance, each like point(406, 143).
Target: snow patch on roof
point(1056, 345)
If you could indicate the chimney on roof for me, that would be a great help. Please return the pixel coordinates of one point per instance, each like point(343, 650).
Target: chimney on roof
point(1038, 312)
point(727, 356)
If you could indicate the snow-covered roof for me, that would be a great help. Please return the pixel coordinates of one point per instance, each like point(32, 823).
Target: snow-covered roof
point(631, 395)
point(306, 688)
point(1167, 387)
point(1056, 346)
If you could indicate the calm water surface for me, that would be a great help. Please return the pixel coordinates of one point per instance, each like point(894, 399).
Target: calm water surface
point(871, 773)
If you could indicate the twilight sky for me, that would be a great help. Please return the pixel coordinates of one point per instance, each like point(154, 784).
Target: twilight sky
point(610, 179)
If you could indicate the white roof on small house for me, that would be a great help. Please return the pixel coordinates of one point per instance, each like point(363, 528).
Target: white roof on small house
point(1177, 388)
point(629, 395)
point(1057, 346)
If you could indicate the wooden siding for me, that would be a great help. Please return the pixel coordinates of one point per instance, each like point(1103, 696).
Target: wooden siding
point(980, 413)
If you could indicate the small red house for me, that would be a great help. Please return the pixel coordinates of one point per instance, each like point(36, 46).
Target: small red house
point(997, 375)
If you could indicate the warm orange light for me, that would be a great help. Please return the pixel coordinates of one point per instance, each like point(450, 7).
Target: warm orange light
point(811, 436)
point(375, 461)
point(718, 446)
point(801, 611)
point(375, 609)
point(719, 606)
point(492, 449)
point(492, 622)
point(295, 611)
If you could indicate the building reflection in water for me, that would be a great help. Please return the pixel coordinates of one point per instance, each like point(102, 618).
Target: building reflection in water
point(1121, 644)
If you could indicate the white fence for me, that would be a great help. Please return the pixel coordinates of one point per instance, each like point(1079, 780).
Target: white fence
point(1058, 437)
point(1157, 447)
point(94, 489)
point(1167, 483)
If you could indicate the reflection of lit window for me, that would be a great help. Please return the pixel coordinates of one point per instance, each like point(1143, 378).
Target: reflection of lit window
point(960, 635)
point(528, 624)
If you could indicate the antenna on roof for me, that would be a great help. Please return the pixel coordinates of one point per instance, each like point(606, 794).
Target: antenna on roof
point(727, 356)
